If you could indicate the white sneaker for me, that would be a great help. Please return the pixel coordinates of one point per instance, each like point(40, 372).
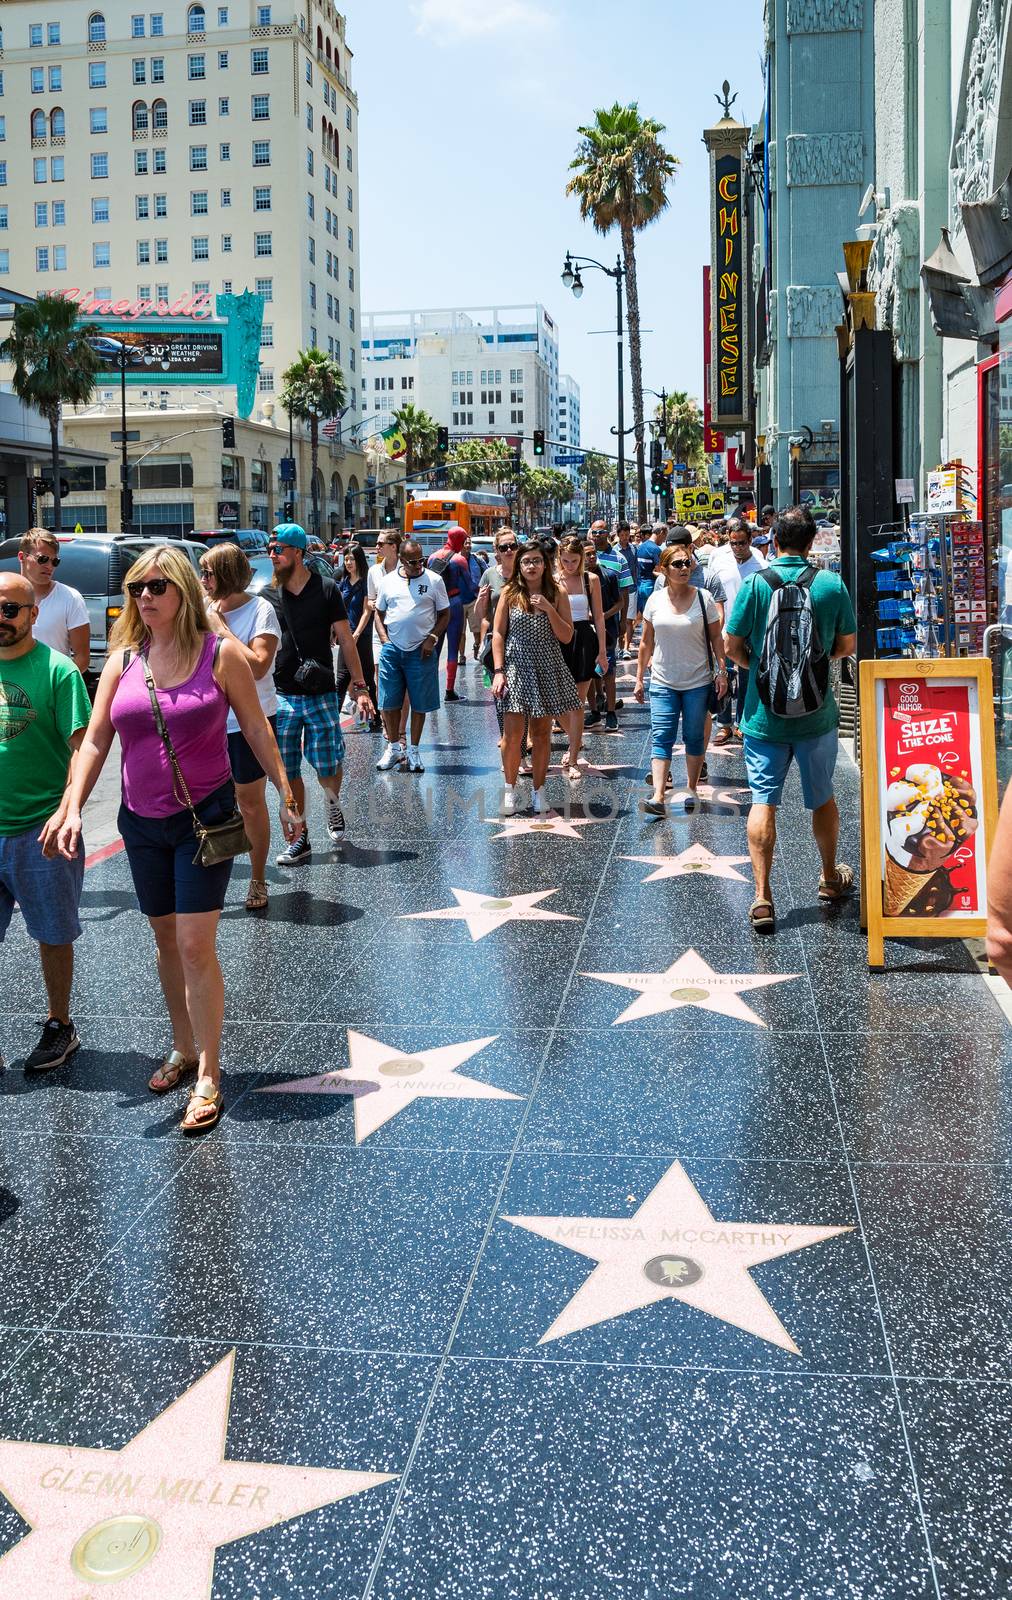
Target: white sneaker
point(392, 756)
point(509, 801)
point(414, 762)
point(538, 802)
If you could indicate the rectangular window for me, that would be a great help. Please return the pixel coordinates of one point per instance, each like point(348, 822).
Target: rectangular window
point(309, 118)
point(53, 32)
point(198, 158)
point(161, 289)
point(56, 80)
point(144, 291)
point(262, 199)
point(96, 74)
point(351, 199)
point(201, 286)
point(59, 258)
point(161, 251)
point(226, 197)
point(351, 324)
point(100, 208)
point(312, 250)
point(140, 71)
point(34, 35)
point(261, 152)
point(159, 161)
point(309, 70)
point(38, 81)
point(157, 25)
point(42, 213)
point(100, 164)
point(223, 105)
point(100, 255)
point(261, 104)
point(223, 16)
point(2, 83)
point(98, 119)
point(3, 219)
point(143, 252)
point(351, 238)
point(196, 67)
point(347, 156)
point(263, 16)
point(265, 378)
point(347, 118)
point(226, 244)
point(259, 61)
point(313, 339)
point(161, 205)
point(265, 286)
point(142, 207)
point(263, 244)
point(222, 60)
point(140, 163)
point(198, 203)
point(310, 207)
point(198, 113)
point(226, 285)
point(267, 336)
point(201, 248)
point(157, 69)
point(351, 277)
point(137, 27)
point(5, 266)
point(309, 162)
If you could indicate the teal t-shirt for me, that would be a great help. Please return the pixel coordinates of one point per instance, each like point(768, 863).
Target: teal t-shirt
point(834, 615)
point(43, 701)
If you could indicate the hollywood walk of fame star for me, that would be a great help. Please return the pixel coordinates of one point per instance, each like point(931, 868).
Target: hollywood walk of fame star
point(483, 913)
point(146, 1520)
point(396, 1080)
point(689, 981)
point(696, 860)
point(598, 769)
point(673, 1248)
point(552, 823)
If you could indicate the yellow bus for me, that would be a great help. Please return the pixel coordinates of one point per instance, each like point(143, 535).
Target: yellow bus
point(479, 513)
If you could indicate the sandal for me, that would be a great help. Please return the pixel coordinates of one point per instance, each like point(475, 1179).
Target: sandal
point(203, 1108)
point(256, 900)
point(724, 736)
point(839, 887)
point(171, 1070)
point(762, 916)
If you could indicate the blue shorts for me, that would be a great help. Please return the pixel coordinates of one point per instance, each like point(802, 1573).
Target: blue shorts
point(47, 890)
point(245, 766)
point(408, 672)
point(643, 593)
point(160, 851)
point(666, 707)
point(767, 763)
point(310, 725)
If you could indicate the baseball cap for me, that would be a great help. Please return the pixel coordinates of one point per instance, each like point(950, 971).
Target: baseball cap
point(290, 533)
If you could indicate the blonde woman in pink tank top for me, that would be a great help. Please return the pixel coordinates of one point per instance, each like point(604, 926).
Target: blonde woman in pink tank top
point(198, 679)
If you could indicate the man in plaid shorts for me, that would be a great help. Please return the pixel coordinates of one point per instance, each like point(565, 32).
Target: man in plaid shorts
point(312, 616)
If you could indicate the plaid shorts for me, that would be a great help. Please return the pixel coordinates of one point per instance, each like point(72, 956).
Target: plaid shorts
point(310, 725)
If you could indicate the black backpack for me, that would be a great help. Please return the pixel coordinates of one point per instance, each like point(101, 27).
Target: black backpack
point(440, 565)
point(792, 673)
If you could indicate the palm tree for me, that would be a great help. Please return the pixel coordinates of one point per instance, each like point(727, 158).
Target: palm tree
point(684, 427)
point(313, 390)
point(418, 430)
point(622, 172)
point(54, 365)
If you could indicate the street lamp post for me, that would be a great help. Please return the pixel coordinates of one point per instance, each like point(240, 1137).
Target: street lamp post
point(572, 280)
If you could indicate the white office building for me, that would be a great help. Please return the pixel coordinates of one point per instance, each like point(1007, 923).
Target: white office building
point(482, 372)
point(569, 423)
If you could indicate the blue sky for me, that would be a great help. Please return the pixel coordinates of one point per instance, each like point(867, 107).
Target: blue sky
point(468, 117)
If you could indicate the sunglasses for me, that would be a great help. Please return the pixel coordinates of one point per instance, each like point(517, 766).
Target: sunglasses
point(413, 561)
point(9, 608)
point(155, 586)
point(46, 561)
point(506, 549)
point(680, 564)
point(206, 575)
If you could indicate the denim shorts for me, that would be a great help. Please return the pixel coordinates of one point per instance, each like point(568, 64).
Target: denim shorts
point(408, 672)
point(48, 890)
point(666, 707)
point(245, 766)
point(310, 725)
point(767, 764)
point(161, 851)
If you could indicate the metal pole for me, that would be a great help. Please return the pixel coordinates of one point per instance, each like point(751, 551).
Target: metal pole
point(124, 471)
point(291, 457)
point(621, 393)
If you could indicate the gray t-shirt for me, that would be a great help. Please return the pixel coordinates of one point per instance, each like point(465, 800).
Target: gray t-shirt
point(492, 580)
point(680, 659)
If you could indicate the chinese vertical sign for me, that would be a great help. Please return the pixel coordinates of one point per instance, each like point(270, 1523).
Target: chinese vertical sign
point(713, 443)
point(730, 383)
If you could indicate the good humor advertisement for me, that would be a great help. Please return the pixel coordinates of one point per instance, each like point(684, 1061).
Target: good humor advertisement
point(930, 765)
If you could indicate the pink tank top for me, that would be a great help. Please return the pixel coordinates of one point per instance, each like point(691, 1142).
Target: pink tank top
point(195, 713)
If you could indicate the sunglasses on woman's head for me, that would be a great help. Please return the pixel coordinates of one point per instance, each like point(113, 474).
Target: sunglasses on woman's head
point(46, 561)
point(156, 586)
point(9, 609)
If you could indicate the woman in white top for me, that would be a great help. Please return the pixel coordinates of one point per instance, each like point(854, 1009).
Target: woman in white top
point(586, 649)
point(388, 550)
point(684, 647)
point(253, 622)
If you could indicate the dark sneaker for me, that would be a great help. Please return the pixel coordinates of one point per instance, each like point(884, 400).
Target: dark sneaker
point(591, 719)
point(611, 722)
point(295, 853)
point(335, 823)
point(58, 1041)
point(451, 694)
point(704, 773)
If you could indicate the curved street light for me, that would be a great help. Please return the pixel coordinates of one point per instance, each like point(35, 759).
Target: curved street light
point(572, 280)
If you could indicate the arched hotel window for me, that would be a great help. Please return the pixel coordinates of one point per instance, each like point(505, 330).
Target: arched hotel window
point(57, 122)
point(196, 21)
point(159, 114)
point(96, 27)
point(140, 117)
point(319, 40)
point(329, 51)
point(38, 124)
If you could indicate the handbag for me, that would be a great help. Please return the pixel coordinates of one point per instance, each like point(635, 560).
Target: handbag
point(716, 700)
point(219, 841)
point(310, 676)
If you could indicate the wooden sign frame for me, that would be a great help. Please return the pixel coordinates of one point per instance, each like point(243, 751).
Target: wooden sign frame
point(975, 672)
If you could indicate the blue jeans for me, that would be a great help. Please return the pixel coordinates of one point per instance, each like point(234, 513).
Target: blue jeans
point(666, 707)
point(735, 701)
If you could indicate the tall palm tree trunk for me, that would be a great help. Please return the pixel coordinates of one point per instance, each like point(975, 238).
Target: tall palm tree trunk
point(632, 305)
point(314, 456)
point(54, 441)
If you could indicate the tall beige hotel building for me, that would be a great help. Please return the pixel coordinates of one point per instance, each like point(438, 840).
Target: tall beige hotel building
point(184, 150)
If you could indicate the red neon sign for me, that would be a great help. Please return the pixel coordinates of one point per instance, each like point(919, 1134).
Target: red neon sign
point(197, 306)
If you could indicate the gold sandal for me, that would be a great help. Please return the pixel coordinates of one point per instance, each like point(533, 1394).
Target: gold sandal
point(256, 899)
point(205, 1097)
point(171, 1070)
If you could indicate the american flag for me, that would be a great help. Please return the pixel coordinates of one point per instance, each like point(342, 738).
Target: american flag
point(329, 429)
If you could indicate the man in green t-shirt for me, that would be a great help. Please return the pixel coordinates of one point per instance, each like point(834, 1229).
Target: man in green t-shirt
point(44, 710)
point(771, 741)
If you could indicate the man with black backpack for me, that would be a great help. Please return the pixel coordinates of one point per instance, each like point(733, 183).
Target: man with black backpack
point(786, 624)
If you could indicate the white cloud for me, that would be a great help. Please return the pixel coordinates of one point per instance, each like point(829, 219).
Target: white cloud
point(473, 19)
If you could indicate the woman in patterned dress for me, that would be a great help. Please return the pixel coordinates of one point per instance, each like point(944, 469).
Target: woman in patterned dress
point(532, 622)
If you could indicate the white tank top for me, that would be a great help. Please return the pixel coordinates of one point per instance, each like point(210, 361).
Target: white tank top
point(579, 607)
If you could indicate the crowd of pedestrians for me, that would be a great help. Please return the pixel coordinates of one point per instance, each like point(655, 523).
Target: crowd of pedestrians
point(215, 691)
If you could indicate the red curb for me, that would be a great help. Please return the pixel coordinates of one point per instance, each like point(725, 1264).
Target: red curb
point(106, 851)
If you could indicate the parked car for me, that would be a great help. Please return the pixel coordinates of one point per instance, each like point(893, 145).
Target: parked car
point(248, 539)
point(94, 564)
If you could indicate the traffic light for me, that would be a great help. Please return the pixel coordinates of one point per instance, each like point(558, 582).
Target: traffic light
point(388, 513)
point(516, 460)
point(126, 505)
point(288, 511)
point(539, 441)
point(442, 478)
point(442, 440)
point(655, 453)
point(657, 482)
point(228, 433)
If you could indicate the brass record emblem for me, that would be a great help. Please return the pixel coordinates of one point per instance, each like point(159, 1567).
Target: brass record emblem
point(542, 827)
point(495, 905)
point(672, 1272)
point(115, 1549)
point(401, 1067)
point(690, 995)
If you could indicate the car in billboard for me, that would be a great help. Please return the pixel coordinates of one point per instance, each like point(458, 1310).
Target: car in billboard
point(192, 350)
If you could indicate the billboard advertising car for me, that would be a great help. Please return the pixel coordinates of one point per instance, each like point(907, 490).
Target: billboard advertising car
point(192, 351)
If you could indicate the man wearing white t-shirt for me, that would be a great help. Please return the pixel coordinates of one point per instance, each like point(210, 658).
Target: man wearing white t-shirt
point(733, 563)
point(412, 614)
point(62, 622)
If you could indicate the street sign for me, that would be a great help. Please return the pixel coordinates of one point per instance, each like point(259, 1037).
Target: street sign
point(78, 528)
point(569, 461)
point(228, 513)
point(286, 469)
point(131, 436)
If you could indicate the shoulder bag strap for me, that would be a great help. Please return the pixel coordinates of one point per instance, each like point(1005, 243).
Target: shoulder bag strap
point(706, 630)
point(183, 798)
point(288, 623)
